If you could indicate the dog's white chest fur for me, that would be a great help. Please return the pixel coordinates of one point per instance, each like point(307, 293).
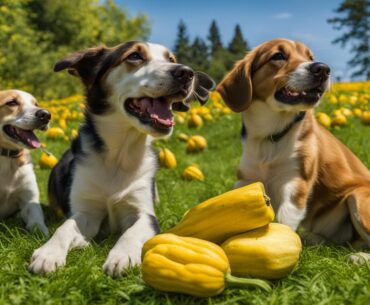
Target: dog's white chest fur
point(104, 182)
point(118, 179)
point(275, 164)
point(15, 182)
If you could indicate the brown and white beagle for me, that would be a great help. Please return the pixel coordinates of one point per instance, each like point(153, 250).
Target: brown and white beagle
point(313, 179)
point(20, 115)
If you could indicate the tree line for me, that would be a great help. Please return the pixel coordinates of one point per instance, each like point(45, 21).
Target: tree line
point(352, 18)
point(34, 34)
point(210, 56)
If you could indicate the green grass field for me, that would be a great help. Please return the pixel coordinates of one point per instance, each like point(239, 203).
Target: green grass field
point(323, 275)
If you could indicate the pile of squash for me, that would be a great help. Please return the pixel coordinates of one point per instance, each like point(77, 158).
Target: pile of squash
point(226, 236)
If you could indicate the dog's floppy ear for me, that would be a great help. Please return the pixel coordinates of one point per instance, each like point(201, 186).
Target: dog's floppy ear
point(202, 86)
point(236, 87)
point(84, 64)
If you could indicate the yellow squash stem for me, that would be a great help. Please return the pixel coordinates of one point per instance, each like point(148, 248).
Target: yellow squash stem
point(242, 282)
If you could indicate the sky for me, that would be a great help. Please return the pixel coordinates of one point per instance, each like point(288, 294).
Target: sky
point(259, 20)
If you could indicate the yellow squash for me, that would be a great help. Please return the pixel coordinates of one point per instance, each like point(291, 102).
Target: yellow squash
point(365, 117)
point(55, 133)
point(188, 265)
point(167, 158)
point(270, 252)
point(196, 143)
point(223, 216)
point(339, 120)
point(47, 160)
point(182, 137)
point(192, 172)
point(195, 121)
point(323, 119)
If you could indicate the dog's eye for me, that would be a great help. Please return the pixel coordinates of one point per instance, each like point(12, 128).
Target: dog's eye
point(135, 56)
point(171, 59)
point(278, 56)
point(12, 103)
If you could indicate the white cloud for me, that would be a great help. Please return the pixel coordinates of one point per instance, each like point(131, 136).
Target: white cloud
point(282, 16)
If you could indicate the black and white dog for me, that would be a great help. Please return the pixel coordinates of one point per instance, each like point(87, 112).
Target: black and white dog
point(109, 170)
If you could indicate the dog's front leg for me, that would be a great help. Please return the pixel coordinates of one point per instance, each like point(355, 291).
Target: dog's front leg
point(32, 215)
point(359, 209)
point(291, 204)
point(30, 208)
point(74, 232)
point(127, 251)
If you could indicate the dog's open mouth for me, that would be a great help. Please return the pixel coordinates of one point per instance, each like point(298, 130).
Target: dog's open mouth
point(26, 137)
point(152, 111)
point(289, 96)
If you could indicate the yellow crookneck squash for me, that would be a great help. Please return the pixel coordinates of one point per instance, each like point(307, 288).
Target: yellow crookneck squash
point(228, 214)
point(270, 252)
point(189, 265)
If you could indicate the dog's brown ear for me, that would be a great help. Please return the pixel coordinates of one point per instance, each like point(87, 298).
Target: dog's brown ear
point(236, 87)
point(84, 64)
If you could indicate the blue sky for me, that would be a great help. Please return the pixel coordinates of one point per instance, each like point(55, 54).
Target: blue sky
point(260, 21)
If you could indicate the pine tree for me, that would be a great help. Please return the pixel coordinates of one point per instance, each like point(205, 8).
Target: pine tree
point(238, 46)
point(354, 16)
point(214, 38)
point(182, 47)
point(199, 55)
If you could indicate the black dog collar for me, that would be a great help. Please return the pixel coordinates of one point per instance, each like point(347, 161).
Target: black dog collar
point(276, 137)
point(10, 153)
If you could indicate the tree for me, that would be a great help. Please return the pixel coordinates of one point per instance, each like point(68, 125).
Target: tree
point(182, 47)
point(214, 38)
point(199, 55)
point(218, 65)
point(238, 46)
point(34, 34)
point(122, 27)
point(354, 15)
point(20, 51)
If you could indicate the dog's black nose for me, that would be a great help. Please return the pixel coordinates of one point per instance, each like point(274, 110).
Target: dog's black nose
point(183, 74)
point(320, 70)
point(43, 115)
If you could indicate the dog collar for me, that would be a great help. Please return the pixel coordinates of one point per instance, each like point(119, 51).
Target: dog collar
point(10, 153)
point(276, 137)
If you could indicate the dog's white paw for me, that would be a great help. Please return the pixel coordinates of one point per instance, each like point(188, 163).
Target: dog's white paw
point(359, 258)
point(46, 260)
point(118, 262)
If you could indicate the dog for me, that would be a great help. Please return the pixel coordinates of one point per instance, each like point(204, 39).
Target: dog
point(109, 171)
point(314, 181)
point(20, 115)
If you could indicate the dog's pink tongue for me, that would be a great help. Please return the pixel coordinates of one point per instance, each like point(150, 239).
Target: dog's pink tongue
point(159, 109)
point(29, 137)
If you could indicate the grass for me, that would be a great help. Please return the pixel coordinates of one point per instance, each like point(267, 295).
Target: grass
point(323, 275)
